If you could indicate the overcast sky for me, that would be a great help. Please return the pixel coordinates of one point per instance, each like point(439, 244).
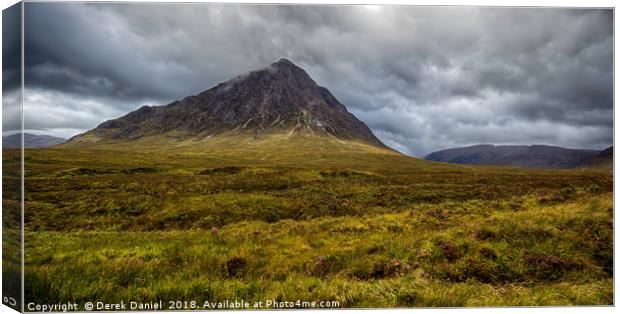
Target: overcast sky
point(422, 78)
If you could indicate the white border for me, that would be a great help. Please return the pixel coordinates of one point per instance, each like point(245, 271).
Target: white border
point(511, 3)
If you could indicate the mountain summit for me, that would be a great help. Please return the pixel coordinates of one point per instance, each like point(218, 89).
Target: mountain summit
point(281, 98)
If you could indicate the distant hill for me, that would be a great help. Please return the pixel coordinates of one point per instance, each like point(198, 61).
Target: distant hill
point(534, 156)
point(603, 160)
point(31, 141)
point(605, 155)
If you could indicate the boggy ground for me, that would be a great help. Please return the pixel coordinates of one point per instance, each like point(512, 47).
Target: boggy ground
point(310, 220)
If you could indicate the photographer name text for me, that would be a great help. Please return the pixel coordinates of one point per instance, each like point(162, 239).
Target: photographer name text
point(178, 305)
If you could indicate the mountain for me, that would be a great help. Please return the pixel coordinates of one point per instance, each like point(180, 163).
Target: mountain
point(31, 141)
point(279, 99)
point(534, 156)
point(605, 155)
point(603, 160)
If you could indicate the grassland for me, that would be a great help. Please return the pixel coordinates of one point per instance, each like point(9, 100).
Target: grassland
point(310, 219)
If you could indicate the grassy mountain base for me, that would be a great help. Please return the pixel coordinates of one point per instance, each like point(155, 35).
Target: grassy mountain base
point(311, 220)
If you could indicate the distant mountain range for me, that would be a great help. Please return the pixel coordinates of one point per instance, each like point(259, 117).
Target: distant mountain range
point(31, 141)
point(534, 156)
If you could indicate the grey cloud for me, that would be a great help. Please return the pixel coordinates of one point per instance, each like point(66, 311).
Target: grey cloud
point(11, 69)
point(423, 78)
point(11, 111)
point(11, 43)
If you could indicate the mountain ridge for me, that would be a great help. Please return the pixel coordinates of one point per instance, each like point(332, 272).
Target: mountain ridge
point(603, 160)
point(31, 141)
point(533, 156)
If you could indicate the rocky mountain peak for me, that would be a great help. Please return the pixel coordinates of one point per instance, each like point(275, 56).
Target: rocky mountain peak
point(281, 98)
point(284, 63)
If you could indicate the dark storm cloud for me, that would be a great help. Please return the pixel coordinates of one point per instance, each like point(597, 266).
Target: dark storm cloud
point(11, 65)
point(423, 78)
point(11, 47)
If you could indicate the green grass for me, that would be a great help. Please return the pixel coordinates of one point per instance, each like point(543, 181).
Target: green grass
point(311, 220)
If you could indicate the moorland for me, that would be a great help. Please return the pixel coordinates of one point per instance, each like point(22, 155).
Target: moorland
point(310, 218)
